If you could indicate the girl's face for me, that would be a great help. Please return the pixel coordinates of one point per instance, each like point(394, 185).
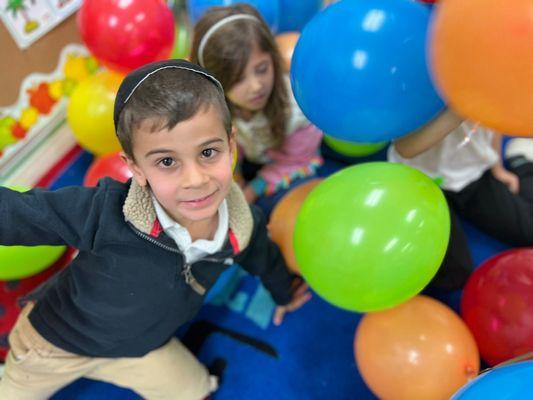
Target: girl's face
point(252, 91)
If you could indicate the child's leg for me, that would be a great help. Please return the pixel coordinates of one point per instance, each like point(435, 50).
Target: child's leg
point(36, 369)
point(489, 205)
point(170, 372)
point(457, 265)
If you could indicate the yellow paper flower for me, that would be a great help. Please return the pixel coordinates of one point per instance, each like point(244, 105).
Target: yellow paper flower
point(75, 68)
point(55, 89)
point(29, 117)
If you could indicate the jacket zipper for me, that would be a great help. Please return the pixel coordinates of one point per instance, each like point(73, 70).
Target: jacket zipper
point(186, 270)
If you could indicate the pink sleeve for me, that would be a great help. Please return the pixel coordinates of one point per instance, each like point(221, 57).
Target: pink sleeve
point(297, 157)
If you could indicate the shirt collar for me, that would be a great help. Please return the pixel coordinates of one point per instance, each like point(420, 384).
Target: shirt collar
point(169, 224)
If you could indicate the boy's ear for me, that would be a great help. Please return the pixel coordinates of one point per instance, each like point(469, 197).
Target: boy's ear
point(138, 174)
point(233, 147)
point(233, 138)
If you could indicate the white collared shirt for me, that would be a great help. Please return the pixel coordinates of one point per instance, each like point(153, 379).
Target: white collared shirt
point(193, 251)
point(458, 160)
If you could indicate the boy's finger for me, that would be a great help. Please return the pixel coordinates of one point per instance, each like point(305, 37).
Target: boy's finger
point(299, 301)
point(304, 287)
point(279, 313)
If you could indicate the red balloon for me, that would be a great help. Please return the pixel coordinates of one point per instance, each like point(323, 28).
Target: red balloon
point(497, 305)
point(110, 165)
point(125, 34)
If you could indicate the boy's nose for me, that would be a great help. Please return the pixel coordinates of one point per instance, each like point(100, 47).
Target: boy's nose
point(194, 177)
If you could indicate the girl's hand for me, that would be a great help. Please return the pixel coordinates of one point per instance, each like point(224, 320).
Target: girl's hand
point(249, 194)
point(300, 296)
point(507, 178)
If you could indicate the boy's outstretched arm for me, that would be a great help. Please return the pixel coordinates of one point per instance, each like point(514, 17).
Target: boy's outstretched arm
point(41, 217)
point(427, 136)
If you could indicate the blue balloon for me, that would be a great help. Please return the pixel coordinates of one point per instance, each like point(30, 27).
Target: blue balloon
point(294, 14)
point(269, 9)
point(511, 382)
point(359, 70)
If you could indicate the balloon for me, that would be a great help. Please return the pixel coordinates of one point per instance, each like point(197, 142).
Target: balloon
point(497, 305)
point(283, 219)
point(110, 165)
point(482, 58)
point(510, 382)
point(352, 149)
point(418, 350)
point(372, 235)
point(295, 14)
point(11, 293)
point(359, 70)
point(268, 9)
point(90, 113)
point(286, 43)
point(17, 262)
point(124, 35)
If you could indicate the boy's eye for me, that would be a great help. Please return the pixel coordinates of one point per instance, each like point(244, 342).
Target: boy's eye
point(166, 162)
point(209, 153)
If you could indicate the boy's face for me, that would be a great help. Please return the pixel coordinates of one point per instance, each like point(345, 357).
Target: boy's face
point(188, 168)
point(253, 90)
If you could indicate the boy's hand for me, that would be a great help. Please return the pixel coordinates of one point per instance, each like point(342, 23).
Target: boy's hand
point(300, 296)
point(507, 178)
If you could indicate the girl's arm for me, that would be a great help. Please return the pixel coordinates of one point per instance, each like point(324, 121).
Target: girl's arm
point(430, 134)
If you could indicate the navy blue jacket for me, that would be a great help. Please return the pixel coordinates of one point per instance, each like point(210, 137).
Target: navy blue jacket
point(128, 290)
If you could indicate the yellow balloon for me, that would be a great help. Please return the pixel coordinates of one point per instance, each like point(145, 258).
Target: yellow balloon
point(90, 113)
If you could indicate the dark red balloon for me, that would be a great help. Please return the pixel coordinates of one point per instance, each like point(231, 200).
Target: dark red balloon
point(111, 165)
point(125, 34)
point(497, 305)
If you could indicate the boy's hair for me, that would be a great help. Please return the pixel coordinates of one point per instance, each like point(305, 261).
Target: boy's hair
point(227, 51)
point(164, 94)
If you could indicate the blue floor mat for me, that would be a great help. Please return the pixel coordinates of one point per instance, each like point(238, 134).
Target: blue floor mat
point(310, 356)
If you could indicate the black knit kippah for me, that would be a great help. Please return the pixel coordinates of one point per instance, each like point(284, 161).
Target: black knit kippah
point(136, 77)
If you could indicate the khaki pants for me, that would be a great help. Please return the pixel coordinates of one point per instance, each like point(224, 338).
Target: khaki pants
point(36, 369)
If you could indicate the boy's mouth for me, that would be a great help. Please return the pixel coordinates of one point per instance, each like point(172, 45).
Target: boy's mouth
point(200, 201)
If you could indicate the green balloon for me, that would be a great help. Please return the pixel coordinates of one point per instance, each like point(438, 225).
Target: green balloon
point(18, 262)
point(182, 42)
point(372, 235)
point(353, 149)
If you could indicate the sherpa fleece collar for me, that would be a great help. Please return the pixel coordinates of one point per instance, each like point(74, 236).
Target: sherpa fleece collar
point(139, 210)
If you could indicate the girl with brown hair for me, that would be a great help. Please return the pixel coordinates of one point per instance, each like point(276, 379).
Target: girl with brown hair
point(278, 144)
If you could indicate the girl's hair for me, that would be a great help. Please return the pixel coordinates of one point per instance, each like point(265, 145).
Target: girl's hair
point(227, 51)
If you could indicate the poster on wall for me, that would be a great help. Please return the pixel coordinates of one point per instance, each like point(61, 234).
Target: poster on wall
point(29, 20)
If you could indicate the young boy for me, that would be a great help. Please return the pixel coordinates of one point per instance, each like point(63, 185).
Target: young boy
point(148, 249)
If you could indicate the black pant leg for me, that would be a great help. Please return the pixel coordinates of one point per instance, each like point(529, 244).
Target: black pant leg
point(491, 207)
point(457, 264)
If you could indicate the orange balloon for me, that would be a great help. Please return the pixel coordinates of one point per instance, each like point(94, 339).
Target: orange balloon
point(286, 43)
point(283, 219)
point(482, 60)
point(418, 350)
